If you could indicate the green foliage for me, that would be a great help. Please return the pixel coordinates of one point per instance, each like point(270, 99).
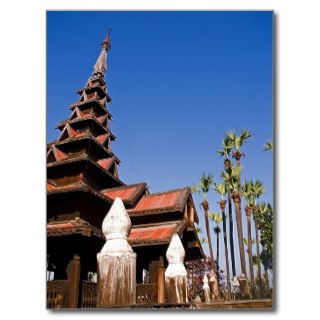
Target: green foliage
point(216, 217)
point(203, 240)
point(204, 185)
point(264, 219)
point(227, 147)
point(231, 177)
point(268, 146)
point(220, 188)
point(246, 242)
point(247, 192)
point(238, 141)
point(257, 190)
point(198, 230)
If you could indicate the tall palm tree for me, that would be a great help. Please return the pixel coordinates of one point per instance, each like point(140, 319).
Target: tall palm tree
point(237, 142)
point(231, 177)
point(225, 152)
point(260, 210)
point(217, 218)
point(221, 189)
point(203, 187)
point(247, 191)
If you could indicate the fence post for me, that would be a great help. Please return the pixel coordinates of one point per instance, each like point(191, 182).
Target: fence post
point(160, 281)
point(73, 272)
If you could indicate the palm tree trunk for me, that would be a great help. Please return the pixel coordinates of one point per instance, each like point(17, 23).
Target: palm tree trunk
point(250, 253)
point(258, 258)
point(226, 253)
point(267, 280)
point(233, 263)
point(213, 265)
point(218, 238)
point(237, 203)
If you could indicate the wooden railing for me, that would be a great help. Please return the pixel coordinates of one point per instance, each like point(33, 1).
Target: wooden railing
point(147, 294)
point(88, 298)
point(57, 294)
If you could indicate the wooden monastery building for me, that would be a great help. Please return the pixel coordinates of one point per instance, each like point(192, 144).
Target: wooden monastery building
point(82, 183)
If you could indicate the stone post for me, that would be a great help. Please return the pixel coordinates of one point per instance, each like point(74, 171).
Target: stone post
point(176, 273)
point(244, 288)
point(116, 261)
point(236, 288)
point(206, 289)
point(214, 289)
point(161, 281)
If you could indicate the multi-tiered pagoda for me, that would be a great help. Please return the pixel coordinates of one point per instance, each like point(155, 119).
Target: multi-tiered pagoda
point(83, 181)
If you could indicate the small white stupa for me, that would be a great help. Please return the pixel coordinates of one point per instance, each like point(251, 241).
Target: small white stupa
point(206, 289)
point(116, 261)
point(176, 273)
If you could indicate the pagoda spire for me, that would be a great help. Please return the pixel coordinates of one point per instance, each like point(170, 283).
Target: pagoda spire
point(100, 67)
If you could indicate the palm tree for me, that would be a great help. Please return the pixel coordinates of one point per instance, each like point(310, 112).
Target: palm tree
point(227, 145)
point(217, 218)
point(203, 188)
point(221, 189)
point(268, 146)
point(257, 191)
point(225, 152)
point(237, 142)
point(231, 177)
point(247, 191)
point(260, 211)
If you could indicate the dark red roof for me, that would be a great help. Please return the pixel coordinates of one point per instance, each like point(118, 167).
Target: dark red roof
point(102, 138)
point(61, 155)
point(126, 193)
point(76, 226)
point(102, 118)
point(162, 202)
point(71, 131)
point(51, 185)
point(140, 236)
point(106, 163)
point(152, 233)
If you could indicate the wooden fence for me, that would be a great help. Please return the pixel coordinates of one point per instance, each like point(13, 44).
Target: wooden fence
point(76, 293)
point(58, 294)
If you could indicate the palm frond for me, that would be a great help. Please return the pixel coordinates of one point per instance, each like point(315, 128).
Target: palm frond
point(195, 188)
point(206, 182)
point(198, 230)
point(268, 146)
point(244, 135)
point(216, 217)
point(258, 189)
point(220, 188)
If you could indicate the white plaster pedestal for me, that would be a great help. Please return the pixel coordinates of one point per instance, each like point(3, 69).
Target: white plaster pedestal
point(116, 261)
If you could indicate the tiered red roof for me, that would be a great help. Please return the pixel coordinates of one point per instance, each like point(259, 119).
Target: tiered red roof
point(139, 236)
point(161, 202)
point(102, 138)
point(128, 194)
point(154, 234)
point(106, 163)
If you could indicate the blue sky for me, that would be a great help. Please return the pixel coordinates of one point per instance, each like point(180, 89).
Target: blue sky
point(179, 81)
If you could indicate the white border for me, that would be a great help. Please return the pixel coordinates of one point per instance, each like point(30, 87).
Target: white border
point(23, 36)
